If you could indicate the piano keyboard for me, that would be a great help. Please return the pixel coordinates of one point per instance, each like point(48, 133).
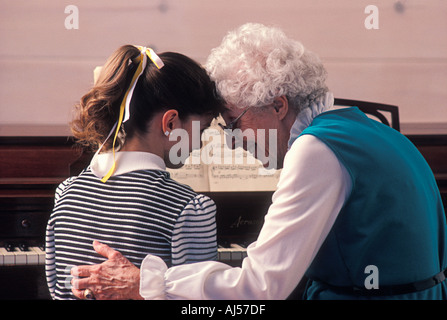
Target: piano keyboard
point(36, 255)
point(233, 254)
point(22, 256)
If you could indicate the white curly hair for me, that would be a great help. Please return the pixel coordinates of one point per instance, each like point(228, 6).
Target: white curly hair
point(255, 64)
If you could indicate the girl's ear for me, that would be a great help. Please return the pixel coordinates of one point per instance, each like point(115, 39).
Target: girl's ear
point(169, 121)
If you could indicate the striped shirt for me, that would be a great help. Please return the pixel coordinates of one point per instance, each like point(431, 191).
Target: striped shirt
point(137, 212)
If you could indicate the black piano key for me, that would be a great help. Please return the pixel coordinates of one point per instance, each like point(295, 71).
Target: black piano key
point(9, 247)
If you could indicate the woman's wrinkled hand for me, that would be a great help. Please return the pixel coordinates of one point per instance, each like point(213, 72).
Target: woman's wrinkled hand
point(114, 279)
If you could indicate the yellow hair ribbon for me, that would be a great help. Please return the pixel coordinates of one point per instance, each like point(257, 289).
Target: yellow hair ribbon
point(153, 56)
point(125, 104)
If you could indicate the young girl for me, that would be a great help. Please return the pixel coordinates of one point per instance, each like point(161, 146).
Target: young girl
point(126, 198)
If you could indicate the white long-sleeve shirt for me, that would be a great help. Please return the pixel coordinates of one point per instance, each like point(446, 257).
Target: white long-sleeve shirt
point(312, 189)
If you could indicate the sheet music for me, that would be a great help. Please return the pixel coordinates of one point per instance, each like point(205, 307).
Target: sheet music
point(215, 167)
point(192, 173)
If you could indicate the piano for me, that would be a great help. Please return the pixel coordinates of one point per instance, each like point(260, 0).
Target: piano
point(31, 167)
point(239, 218)
point(30, 170)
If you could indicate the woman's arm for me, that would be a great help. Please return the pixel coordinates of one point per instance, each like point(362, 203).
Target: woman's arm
point(311, 191)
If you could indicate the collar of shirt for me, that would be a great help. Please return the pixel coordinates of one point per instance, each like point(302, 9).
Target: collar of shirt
point(305, 117)
point(126, 161)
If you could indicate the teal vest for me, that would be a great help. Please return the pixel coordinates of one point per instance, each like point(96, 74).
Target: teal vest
point(393, 219)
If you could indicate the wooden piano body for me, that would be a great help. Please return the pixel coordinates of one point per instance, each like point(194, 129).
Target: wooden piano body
point(32, 167)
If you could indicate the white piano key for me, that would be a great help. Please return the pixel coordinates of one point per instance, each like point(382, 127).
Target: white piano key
point(236, 255)
point(32, 257)
point(20, 257)
point(40, 254)
point(239, 252)
point(8, 257)
point(223, 254)
point(234, 252)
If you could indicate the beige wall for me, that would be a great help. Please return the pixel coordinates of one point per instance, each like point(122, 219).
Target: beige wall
point(45, 68)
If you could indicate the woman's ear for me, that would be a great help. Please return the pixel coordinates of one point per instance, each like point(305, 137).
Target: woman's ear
point(281, 105)
point(169, 121)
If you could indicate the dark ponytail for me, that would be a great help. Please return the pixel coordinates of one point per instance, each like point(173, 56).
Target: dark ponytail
point(181, 84)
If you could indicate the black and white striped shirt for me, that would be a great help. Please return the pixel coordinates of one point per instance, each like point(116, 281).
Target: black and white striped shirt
point(136, 212)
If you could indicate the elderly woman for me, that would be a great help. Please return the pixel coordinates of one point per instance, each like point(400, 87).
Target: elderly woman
point(357, 209)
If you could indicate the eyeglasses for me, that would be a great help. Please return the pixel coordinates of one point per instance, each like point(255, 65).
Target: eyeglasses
point(232, 124)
